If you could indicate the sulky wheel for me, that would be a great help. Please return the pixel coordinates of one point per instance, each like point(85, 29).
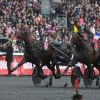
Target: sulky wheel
point(76, 74)
point(35, 78)
point(87, 80)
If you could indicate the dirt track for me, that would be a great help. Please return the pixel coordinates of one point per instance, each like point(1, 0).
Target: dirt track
point(22, 88)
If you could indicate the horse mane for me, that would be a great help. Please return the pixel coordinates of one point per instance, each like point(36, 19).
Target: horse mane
point(79, 34)
point(81, 42)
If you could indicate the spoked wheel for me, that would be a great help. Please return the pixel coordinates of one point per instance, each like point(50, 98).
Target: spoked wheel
point(87, 80)
point(76, 74)
point(35, 78)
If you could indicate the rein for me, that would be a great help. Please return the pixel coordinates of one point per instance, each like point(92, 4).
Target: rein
point(62, 53)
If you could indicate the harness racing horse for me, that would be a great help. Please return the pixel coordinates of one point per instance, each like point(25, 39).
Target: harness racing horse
point(84, 53)
point(34, 53)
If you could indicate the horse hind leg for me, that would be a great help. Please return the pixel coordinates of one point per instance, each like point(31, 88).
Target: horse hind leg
point(49, 83)
point(40, 71)
point(58, 71)
point(57, 75)
point(20, 63)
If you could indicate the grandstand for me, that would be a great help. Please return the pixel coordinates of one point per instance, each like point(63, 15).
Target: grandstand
point(40, 14)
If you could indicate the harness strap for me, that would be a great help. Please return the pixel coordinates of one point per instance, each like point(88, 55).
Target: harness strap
point(62, 53)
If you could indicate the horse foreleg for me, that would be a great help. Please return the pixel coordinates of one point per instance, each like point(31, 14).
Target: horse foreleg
point(52, 68)
point(54, 64)
point(20, 63)
point(58, 71)
point(49, 83)
point(40, 71)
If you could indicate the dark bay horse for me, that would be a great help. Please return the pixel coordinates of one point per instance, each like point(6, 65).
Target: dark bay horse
point(34, 53)
point(84, 53)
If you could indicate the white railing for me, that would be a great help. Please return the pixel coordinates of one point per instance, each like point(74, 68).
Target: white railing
point(15, 54)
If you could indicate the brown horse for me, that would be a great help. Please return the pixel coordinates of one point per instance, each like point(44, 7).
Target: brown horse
point(84, 53)
point(35, 53)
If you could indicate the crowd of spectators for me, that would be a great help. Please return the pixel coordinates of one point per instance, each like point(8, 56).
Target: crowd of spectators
point(15, 14)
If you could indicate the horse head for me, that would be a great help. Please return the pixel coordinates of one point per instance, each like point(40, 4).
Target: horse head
point(75, 39)
point(25, 36)
point(7, 44)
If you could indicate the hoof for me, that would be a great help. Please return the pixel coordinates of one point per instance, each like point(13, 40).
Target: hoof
point(42, 77)
point(57, 76)
point(46, 85)
point(50, 84)
point(66, 85)
point(97, 83)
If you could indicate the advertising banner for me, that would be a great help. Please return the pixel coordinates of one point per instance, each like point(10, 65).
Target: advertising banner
point(27, 68)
